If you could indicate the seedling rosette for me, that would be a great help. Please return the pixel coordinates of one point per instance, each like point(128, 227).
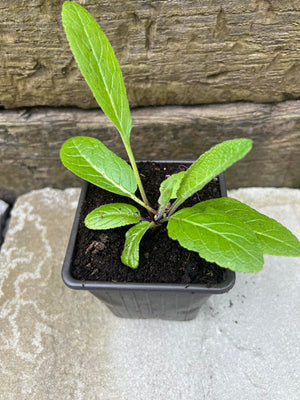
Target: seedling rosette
point(224, 231)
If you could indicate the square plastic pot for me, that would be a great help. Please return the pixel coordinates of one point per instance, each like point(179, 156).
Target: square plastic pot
point(145, 300)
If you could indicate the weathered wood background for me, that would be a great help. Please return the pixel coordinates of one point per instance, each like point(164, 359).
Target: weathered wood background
point(33, 139)
point(173, 53)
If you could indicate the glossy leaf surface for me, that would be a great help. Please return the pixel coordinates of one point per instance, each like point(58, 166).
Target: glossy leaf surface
point(217, 238)
point(111, 216)
point(211, 164)
point(89, 159)
point(98, 64)
point(134, 235)
point(274, 238)
point(168, 188)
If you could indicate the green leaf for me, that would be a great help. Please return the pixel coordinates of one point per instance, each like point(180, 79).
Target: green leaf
point(209, 165)
point(130, 255)
point(274, 238)
point(111, 216)
point(89, 159)
point(98, 64)
point(168, 188)
point(217, 238)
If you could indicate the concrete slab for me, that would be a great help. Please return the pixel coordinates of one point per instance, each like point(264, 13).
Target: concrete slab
point(243, 345)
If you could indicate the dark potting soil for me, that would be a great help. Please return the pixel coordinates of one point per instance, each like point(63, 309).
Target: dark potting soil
point(162, 260)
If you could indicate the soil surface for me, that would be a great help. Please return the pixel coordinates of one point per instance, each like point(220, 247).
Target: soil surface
point(162, 260)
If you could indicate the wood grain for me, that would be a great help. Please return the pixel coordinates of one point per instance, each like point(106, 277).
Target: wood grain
point(30, 141)
point(171, 52)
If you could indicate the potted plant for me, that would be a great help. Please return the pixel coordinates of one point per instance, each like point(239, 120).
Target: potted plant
point(213, 237)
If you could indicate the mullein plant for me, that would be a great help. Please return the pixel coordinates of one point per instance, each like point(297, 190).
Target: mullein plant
point(223, 230)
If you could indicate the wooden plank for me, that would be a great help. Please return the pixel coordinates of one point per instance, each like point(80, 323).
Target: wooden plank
point(30, 141)
point(171, 52)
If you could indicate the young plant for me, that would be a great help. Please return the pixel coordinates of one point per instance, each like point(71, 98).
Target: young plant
point(224, 230)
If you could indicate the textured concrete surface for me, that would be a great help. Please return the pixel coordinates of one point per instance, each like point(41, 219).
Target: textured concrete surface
point(56, 343)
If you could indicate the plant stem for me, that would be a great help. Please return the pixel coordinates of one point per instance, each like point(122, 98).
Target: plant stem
point(137, 175)
point(174, 207)
point(140, 202)
point(166, 219)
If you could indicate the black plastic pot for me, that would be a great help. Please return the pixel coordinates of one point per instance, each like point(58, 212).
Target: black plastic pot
point(143, 300)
